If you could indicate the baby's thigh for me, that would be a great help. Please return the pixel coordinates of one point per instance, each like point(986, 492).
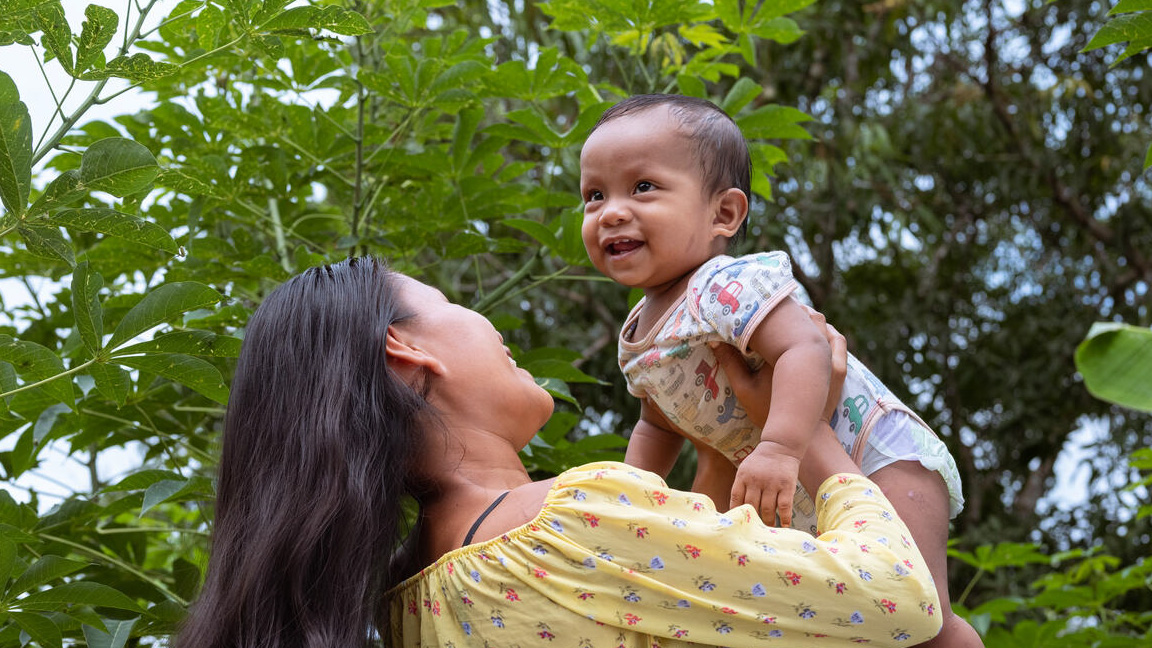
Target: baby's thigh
point(921, 499)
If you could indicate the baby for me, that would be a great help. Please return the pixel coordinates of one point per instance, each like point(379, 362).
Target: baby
point(666, 181)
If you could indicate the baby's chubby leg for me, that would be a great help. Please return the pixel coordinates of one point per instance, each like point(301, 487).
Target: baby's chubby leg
point(714, 475)
point(921, 498)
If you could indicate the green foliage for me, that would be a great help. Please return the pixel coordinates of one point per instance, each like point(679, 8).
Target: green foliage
point(1132, 24)
point(1116, 361)
point(281, 137)
point(445, 137)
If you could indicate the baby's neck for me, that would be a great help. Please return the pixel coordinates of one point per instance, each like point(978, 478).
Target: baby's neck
point(658, 300)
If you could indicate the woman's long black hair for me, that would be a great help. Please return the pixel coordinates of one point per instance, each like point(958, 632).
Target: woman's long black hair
point(318, 447)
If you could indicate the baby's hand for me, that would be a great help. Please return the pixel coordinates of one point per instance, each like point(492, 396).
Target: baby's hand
point(766, 479)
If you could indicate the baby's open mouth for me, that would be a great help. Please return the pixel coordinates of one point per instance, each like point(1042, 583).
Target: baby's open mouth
point(620, 247)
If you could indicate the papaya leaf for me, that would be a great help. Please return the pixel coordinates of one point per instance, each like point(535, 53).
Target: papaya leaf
point(118, 224)
point(774, 122)
point(40, 628)
point(194, 373)
point(160, 492)
point(197, 343)
point(335, 19)
point(137, 68)
point(45, 570)
point(558, 388)
point(782, 30)
point(97, 32)
point(116, 633)
point(1116, 362)
point(112, 382)
point(79, 593)
point(86, 287)
point(741, 94)
point(772, 10)
point(7, 561)
point(141, 480)
point(162, 305)
point(118, 166)
point(208, 25)
point(1133, 28)
point(35, 363)
point(64, 189)
point(47, 242)
point(175, 489)
point(57, 39)
point(15, 148)
point(1129, 6)
point(535, 229)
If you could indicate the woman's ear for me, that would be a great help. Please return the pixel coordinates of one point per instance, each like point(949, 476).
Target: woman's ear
point(405, 354)
point(730, 209)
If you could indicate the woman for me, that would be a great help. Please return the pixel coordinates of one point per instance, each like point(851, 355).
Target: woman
point(357, 387)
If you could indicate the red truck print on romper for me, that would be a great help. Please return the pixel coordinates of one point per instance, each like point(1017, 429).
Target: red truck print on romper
point(728, 295)
point(706, 375)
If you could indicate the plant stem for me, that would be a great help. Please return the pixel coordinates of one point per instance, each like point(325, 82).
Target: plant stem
point(100, 555)
point(93, 97)
point(971, 585)
point(69, 372)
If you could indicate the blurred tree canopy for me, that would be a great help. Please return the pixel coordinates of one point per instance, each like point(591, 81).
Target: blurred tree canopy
point(960, 186)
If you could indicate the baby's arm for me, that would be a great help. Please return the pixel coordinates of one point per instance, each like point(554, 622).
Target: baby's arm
point(801, 358)
point(654, 444)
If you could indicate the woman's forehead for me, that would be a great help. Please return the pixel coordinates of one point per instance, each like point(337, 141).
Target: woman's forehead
point(417, 290)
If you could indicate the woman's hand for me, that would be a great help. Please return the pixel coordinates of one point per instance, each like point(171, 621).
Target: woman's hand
point(754, 388)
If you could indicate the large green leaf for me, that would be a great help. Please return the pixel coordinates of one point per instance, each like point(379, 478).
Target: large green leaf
point(198, 343)
point(1116, 362)
point(40, 628)
point(97, 32)
point(86, 287)
point(116, 633)
point(7, 561)
point(114, 223)
point(112, 382)
point(50, 19)
point(137, 68)
point(118, 166)
point(1132, 28)
point(334, 19)
point(45, 570)
point(35, 363)
point(47, 242)
point(774, 122)
point(66, 188)
point(162, 305)
point(79, 593)
point(15, 148)
point(194, 373)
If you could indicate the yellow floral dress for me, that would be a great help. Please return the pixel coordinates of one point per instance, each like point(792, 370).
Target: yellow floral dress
point(617, 559)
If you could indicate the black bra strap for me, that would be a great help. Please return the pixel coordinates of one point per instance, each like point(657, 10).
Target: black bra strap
point(476, 524)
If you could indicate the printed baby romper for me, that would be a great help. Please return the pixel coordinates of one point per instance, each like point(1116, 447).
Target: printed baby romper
point(726, 300)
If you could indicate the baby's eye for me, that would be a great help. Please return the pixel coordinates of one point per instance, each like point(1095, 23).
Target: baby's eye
point(644, 186)
point(593, 195)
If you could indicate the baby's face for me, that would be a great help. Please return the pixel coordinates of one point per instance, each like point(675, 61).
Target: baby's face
point(648, 222)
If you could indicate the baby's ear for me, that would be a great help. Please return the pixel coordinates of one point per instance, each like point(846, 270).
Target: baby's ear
point(730, 208)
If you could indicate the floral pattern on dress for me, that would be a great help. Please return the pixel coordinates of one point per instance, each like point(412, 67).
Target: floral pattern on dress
point(636, 578)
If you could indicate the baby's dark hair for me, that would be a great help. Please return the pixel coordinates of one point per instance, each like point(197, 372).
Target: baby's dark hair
point(719, 144)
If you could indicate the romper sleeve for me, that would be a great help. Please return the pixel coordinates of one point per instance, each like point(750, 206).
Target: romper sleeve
point(731, 296)
point(644, 557)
